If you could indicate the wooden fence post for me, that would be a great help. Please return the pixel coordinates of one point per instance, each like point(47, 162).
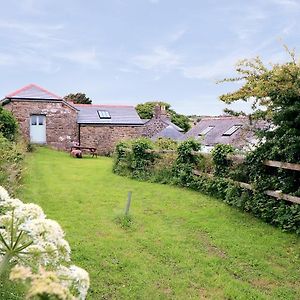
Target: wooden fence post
point(128, 203)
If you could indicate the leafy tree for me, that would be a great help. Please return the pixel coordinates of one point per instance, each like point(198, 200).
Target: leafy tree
point(8, 124)
point(275, 92)
point(78, 98)
point(146, 111)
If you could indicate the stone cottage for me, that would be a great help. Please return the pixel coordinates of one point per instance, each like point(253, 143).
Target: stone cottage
point(46, 118)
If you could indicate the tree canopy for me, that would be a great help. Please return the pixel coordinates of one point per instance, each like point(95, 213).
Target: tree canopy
point(275, 92)
point(146, 111)
point(78, 98)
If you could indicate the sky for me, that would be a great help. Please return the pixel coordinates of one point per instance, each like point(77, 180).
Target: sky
point(133, 51)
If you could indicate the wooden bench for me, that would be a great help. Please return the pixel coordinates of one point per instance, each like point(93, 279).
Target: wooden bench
point(93, 150)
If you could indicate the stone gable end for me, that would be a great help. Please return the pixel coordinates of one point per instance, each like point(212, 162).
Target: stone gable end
point(61, 120)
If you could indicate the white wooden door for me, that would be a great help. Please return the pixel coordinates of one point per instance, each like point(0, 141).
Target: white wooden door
point(38, 129)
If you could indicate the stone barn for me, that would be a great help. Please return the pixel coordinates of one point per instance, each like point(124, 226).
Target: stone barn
point(46, 118)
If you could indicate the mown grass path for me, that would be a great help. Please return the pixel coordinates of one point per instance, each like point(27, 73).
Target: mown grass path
point(182, 245)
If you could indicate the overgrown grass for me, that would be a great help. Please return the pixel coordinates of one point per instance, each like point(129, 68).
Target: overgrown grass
point(181, 245)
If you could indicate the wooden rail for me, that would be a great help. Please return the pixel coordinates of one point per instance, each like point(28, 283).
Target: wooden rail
point(275, 194)
point(241, 158)
point(282, 165)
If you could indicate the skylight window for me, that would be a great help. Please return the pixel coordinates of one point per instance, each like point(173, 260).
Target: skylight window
point(232, 130)
point(104, 114)
point(206, 130)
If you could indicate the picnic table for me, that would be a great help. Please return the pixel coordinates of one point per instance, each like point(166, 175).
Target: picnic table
point(93, 150)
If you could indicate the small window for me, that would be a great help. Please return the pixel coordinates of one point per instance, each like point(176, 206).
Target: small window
point(41, 120)
point(104, 114)
point(33, 120)
point(206, 130)
point(232, 130)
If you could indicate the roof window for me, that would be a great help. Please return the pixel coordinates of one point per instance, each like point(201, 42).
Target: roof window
point(232, 130)
point(206, 130)
point(104, 114)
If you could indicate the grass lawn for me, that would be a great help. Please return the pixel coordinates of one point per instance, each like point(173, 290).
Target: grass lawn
point(181, 245)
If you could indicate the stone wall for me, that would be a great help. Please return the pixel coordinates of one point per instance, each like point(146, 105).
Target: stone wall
point(105, 137)
point(61, 120)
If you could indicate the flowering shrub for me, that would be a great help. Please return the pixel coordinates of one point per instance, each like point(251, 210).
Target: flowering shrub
point(37, 248)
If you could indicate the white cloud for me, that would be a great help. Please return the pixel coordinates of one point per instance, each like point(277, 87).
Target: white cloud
point(287, 3)
point(159, 59)
point(216, 70)
point(35, 30)
point(88, 57)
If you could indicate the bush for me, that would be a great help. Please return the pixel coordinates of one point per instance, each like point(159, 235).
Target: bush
point(11, 162)
point(220, 160)
point(8, 124)
point(165, 144)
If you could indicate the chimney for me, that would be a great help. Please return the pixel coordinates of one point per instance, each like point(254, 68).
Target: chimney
point(160, 112)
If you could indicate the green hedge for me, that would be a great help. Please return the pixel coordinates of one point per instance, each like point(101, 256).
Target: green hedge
point(11, 163)
point(132, 159)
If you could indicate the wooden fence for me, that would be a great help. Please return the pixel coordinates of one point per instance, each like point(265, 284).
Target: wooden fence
point(240, 158)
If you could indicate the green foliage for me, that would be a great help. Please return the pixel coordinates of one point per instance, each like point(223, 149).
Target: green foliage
point(122, 158)
point(220, 160)
point(78, 98)
point(277, 90)
point(146, 111)
point(8, 124)
point(141, 160)
point(125, 221)
point(186, 162)
point(133, 158)
point(165, 144)
point(11, 163)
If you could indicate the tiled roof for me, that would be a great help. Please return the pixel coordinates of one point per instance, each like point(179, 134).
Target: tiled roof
point(33, 91)
point(239, 138)
point(169, 132)
point(120, 114)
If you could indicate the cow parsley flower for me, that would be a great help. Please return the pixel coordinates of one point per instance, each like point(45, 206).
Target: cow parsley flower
point(76, 279)
point(3, 194)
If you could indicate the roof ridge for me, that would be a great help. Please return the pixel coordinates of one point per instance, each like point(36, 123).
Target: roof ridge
point(100, 105)
point(26, 87)
point(223, 117)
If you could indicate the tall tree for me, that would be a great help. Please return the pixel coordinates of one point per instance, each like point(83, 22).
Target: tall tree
point(275, 93)
point(78, 98)
point(146, 111)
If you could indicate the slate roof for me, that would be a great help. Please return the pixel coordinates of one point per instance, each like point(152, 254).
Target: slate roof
point(120, 114)
point(167, 122)
point(33, 91)
point(169, 132)
point(244, 135)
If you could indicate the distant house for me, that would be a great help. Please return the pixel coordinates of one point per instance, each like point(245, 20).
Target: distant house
point(46, 118)
point(236, 131)
point(160, 126)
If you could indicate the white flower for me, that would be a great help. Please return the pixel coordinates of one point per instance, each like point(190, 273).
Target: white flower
point(75, 278)
point(3, 194)
point(20, 273)
point(28, 212)
point(10, 204)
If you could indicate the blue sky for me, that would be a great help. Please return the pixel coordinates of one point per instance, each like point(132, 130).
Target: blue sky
point(132, 51)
